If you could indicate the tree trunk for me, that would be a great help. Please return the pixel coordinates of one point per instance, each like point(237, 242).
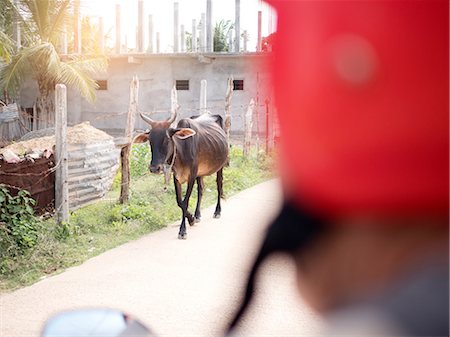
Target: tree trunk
point(45, 107)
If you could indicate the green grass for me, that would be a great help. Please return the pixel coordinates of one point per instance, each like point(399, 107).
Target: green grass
point(106, 224)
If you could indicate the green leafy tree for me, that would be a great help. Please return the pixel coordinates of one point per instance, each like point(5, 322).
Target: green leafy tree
point(42, 22)
point(221, 31)
point(188, 41)
point(89, 37)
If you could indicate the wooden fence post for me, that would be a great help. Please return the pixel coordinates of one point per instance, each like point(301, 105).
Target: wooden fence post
point(125, 152)
point(248, 122)
point(61, 158)
point(228, 97)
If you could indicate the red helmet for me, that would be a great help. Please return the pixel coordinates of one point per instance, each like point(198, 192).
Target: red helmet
point(362, 94)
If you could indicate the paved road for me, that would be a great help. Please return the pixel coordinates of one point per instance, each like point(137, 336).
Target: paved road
point(178, 288)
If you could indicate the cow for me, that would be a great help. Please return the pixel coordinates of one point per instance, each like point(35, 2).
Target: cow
point(197, 147)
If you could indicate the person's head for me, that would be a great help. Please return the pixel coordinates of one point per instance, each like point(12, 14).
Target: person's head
point(361, 89)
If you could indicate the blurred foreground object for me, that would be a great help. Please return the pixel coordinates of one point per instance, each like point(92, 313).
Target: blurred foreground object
point(362, 93)
point(98, 322)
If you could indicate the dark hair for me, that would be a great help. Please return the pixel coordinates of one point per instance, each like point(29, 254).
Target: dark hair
point(291, 231)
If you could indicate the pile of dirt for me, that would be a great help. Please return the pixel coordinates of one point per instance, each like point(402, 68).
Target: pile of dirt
point(83, 133)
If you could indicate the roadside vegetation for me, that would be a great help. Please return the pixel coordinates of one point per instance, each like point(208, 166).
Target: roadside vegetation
point(32, 248)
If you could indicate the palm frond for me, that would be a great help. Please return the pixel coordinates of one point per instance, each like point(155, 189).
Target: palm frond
point(39, 15)
point(6, 47)
point(12, 10)
point(78, 74)
point(48, 60)
point(14, 73)
point(42, 60)
point(92, 65)
point(58, 18)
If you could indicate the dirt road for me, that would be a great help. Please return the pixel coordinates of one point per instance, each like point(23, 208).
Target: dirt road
point(178, 288)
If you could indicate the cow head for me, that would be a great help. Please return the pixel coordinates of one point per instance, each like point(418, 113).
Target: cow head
point(161, 138)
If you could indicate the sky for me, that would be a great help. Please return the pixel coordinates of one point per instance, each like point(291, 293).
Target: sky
point(162, 11)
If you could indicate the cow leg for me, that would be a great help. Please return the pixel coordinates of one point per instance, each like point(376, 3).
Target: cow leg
point(180, 204)
point(200, 187)
point(219, 181)
point(180, 200)
point(184, 204)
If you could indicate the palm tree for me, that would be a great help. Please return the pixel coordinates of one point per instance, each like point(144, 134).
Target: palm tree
point(42, 22)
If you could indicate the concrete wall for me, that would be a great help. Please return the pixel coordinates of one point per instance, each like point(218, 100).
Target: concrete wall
point(157, 74)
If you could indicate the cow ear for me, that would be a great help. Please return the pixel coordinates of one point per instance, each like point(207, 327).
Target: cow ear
point(142, 138)
point(184, 133)
point(181, 133)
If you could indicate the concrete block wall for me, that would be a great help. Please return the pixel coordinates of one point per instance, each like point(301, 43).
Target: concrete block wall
point(157, 74)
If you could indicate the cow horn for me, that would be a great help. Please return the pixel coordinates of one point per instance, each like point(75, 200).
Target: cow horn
point(147, 119)
point(172, 118)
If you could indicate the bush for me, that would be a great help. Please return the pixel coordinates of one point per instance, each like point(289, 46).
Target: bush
point(18, 226)
point(140, 157)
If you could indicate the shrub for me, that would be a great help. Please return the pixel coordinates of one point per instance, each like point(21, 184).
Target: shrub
point(18, 226)
point(140, 157)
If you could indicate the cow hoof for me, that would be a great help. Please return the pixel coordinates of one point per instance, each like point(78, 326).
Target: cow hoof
point(197, 219)
point(182, 236)
point(190, 219)
point(216, 215)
